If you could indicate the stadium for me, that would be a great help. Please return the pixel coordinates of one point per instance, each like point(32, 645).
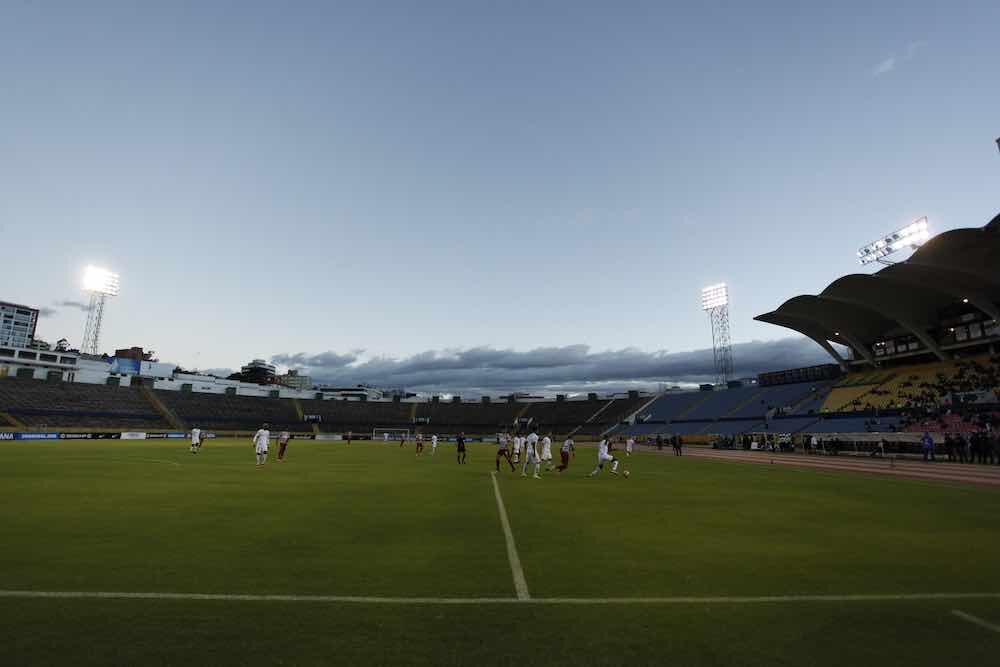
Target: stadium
point(916, 355)
point(921, 357)
point(453, 333)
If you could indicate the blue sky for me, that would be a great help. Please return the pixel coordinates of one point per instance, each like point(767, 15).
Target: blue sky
point(409, 177)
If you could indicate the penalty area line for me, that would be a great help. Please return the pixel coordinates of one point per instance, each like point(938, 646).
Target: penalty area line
point(520, 583)
point(975, 620)
point(360, 599)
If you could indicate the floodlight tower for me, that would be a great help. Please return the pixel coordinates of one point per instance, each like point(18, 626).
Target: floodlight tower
point(101, 284)
point(911, 236)
point(715, 302)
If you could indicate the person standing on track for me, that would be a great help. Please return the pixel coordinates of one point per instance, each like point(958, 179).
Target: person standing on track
point(928, 445)
point(564, 454)
point(261, 440)
point(282, 445)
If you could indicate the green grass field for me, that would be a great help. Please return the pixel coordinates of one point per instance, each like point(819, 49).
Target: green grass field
point(373, 521)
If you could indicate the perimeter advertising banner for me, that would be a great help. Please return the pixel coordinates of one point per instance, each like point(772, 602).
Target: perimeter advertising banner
point(10, 435)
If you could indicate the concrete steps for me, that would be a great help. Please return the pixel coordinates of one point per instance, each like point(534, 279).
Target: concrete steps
point(165, 412)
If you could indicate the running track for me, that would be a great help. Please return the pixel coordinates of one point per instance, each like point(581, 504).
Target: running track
point(940, 471)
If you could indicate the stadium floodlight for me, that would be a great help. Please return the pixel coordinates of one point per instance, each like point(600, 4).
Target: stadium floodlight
point(714, 296)
point(715, 302)
point(913, 235)
point(101, 284)
point(101, 281)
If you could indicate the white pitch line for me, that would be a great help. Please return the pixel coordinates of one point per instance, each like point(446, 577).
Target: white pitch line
point(359, 599)
point(173, 463)
point(975, 620)
point(520, 583)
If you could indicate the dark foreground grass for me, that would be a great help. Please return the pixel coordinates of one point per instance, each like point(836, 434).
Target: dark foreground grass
point(371, 520)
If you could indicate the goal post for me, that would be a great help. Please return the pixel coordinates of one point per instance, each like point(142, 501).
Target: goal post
point(385, 433)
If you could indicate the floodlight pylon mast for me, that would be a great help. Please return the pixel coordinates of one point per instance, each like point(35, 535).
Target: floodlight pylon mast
point(92, 330)
point(722, 345)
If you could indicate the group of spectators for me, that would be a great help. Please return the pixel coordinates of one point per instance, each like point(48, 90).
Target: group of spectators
point(917, 399)
point(674, 441)
point(981, 447)
point(770, 442)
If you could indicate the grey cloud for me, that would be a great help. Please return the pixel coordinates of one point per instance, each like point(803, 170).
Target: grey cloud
point(46, 312)
point(79, 305)
point(322, 360)
point(487, 370)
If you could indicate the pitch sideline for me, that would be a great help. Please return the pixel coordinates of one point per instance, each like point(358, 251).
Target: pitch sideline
point(712, 600)
point(520, 583)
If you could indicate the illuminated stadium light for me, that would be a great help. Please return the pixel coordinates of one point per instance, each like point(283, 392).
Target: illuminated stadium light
point(714, 296)
point(100, 281)
point(715, 302)
point(101, 284)
point(913, 235)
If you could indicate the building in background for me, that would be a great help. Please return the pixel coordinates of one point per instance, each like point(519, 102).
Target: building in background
point(257, 371)
point(17, 324)
point(136, 353)
point(293, 380)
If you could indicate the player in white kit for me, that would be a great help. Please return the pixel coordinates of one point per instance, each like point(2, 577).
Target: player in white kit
point(629, 444)
point(518, 441)
point(261, 440)
point(603, 455)
point(195, 440)
point(531, 455)
point(547, 452)
point(434, 444)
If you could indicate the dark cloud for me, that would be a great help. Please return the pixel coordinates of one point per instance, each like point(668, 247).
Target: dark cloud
point(487, 370)
point(79, 305)
point(46, 312)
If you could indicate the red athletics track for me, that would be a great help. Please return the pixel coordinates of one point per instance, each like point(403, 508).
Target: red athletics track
point(939, 471)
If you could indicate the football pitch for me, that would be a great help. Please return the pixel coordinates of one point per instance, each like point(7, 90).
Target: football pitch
point(117, 552)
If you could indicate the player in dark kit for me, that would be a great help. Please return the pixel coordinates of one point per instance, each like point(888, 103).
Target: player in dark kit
point(564, 454)
point(420, 444)
point(502, 451)
point(460, 447)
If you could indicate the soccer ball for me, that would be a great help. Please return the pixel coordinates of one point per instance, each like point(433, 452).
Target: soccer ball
point(627, 473)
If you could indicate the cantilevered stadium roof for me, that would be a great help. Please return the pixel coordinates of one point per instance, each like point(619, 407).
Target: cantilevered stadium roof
point(955, 267)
